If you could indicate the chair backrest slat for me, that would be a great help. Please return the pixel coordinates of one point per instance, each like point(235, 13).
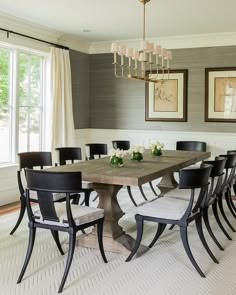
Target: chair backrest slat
point(46, 183)
point(34, 159)
point(121, 144)
point(198, 146)
point(95, 149)
point(69, 154)
point(191, 178)
point(31, 160)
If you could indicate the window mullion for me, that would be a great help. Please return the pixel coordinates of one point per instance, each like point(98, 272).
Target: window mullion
point(29, 103)
point(15, 105)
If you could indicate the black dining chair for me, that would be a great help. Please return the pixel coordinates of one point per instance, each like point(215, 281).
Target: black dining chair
point(31, 160)
point(121, 144)
point(198, 146)
point(216, 180)
point(71, 154)
point(56, 217)
point(165, 211)
point(125, 145)
point(95, 149)
point(225, 191)
point(194, 146)
point(233, 184)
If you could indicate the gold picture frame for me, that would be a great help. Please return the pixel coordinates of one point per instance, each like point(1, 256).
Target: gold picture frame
point(220, 94)
point(166, 99)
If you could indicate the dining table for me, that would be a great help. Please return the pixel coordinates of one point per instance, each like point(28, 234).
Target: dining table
point(108, 180)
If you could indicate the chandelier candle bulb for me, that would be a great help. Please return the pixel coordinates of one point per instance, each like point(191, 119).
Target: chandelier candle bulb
point(122, 49)
point(115, 47)
point(144, 45)
point(157, 49)
point(115, 50)
point(151, 47)
point(129, 52)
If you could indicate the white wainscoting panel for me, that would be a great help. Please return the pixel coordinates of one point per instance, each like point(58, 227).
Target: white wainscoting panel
point(8, 185)
point(217, 143)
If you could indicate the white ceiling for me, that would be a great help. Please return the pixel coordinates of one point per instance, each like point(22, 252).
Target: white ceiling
point(122, 19)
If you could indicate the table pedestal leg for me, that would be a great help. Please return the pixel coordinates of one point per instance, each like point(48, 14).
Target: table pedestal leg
point(167, 183)
point(114, 238)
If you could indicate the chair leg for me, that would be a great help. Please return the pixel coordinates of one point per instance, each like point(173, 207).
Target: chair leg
point(32, 233)
point(131, 196)
point(100, 240)
point(152, 188)
point(57, 241)
point(229, 203)
point(215, 212)
point(220, 203)
point(142, 192)
point(22, 212)
point(139, 223)
point(184, 238)
point(161, 227)
point(208, 227)
point(72, 239)
point(198, 222)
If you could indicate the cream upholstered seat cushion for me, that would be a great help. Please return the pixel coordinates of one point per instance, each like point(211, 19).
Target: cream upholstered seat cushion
point(87, 185)
point(183, 194)
point(166, 208)
point(56, 196)
point(81, 214)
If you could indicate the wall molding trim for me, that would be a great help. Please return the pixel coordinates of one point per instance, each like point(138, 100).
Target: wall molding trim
point(174, 42)
point(29, 28)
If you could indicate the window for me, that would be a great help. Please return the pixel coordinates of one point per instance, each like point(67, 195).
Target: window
point(22, 76)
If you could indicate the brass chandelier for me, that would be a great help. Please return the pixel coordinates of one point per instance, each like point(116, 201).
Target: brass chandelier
point(135, 64)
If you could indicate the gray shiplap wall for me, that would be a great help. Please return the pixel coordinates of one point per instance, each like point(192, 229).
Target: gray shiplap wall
point(120, 104)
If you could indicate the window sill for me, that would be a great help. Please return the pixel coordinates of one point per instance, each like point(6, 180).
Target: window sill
point(8, 165)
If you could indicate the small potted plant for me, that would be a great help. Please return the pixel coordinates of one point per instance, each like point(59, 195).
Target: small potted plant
point(116, 157)
point(136, 152)
point(156, 148)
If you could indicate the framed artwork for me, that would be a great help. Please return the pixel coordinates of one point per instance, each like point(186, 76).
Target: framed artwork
point(166, 99)
point(220, 94)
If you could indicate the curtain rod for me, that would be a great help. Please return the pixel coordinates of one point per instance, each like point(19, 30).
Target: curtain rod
point(33, 38)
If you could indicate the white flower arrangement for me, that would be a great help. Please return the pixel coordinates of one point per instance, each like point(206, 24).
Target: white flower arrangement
point(156, 146)
point(136, 149)
point(117, 153)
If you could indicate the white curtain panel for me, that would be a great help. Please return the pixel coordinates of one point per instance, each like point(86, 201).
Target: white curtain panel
point(63, 123)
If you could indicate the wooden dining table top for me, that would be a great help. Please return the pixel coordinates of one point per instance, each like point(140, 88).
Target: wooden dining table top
point(133, 172)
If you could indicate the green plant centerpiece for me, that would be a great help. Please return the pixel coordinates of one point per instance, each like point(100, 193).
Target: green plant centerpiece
point(156, 148)
point(136, 152)
point(116, 157)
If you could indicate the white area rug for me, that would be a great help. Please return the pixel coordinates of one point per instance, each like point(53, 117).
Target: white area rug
point(164, 270)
